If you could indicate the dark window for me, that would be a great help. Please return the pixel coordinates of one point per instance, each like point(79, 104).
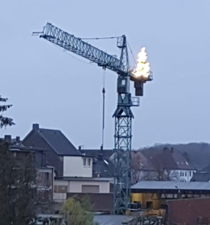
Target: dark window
point(149, 205)
point(84, 161)
point(60, 189)
point(90, 188)
point(47, 176)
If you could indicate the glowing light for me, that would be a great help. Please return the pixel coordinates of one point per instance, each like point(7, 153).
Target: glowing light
point(142, 69)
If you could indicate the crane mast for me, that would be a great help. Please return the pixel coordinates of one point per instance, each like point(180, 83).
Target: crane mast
point(123, 114)
point(123, 135)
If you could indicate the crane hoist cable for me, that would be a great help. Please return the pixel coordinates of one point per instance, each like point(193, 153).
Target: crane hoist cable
point(103, 108)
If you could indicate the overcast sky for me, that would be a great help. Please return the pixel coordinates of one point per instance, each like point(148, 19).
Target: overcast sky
point(62, 91)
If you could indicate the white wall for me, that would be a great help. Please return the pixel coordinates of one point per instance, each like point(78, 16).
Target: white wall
point(175, 175)
point(74, 167)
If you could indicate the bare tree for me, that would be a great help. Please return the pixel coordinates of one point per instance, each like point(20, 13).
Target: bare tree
point(163, 165)
point(156, 167)
point(135, 167)
point(17, 187)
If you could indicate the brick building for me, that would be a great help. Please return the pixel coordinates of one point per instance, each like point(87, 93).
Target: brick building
point(44, 173)
point(189, 211)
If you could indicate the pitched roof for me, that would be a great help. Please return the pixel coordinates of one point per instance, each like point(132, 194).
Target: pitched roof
point(103, 168)
point(140, 162)
point(201, 177)
point(197, 154)
point(167, 159)
point(58, 141)
point(206, 169)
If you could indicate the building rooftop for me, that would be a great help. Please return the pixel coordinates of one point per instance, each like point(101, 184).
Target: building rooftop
point(171, 185)
point(102, 165)
point(59, 142)
point(55, 139)
point(97, 152)
point(167, 158)
point(197, 154)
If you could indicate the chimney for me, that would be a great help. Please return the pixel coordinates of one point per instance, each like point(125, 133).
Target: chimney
point(35, 126)
point(17, 139)
point(8, 138)
point(81, 147)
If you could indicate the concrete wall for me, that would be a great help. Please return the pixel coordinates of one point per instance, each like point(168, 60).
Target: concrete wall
point(73, 166)
point(76, 186)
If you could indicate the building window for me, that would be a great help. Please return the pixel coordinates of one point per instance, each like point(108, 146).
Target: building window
point(185, 174)
point(60, 189)
point(90, 188)
point(47, 176)
point(84, 161)
point(89, 162)
point(190, 174)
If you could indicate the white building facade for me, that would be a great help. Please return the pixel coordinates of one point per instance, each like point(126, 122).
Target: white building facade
point(77, 166)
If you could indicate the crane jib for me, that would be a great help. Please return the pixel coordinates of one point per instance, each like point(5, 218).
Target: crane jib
point(73, 44)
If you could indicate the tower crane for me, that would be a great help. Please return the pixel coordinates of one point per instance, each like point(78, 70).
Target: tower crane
point(123, 114)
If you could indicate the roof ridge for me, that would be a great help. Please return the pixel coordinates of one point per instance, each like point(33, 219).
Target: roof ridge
point(49, 129)
point(47, 136)
point(46, 140)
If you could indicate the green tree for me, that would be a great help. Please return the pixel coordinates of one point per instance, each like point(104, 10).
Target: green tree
point(5, 121)
point(77, 212)
point(86, 203)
